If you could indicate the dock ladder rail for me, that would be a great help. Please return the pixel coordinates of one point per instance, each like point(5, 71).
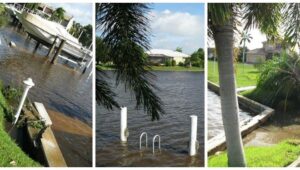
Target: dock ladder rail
point(153, 143)
point(141, 137)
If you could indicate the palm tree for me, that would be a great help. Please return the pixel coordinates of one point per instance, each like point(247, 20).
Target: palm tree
point(58, 15)
point(222, 23)
point(125, 33)
point(32, 6)
point(245, 37)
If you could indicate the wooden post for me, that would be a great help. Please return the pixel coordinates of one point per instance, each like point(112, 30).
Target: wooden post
point(52, 47)
point(36, 46)
point(61, 45)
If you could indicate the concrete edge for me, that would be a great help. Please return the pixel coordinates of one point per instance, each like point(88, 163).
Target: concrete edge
point(262, 112)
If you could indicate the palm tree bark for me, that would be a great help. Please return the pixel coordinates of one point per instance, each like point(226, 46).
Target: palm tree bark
point(224, 39)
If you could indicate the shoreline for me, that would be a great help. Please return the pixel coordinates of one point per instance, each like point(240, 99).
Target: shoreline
point(160, 68)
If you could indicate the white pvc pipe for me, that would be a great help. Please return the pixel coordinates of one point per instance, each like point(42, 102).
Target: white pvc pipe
point(193, 136)
point(28, 84)
point(123, 134)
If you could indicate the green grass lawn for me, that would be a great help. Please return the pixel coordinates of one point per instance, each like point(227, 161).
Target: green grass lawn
point(244, 77)
point(9, 150)
point(161, 68)
point(279, 155)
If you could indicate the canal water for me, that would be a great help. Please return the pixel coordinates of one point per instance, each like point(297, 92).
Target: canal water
point(183, 95)
point(214, 117)
point(60, 88)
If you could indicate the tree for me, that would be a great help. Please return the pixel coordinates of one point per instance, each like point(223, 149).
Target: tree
point(102, 51)
point(222, 22)
point(197, 58)
point(58, 15)
point(245, 37)
point(3, 17)
point(125, 32)
point(86, 37)
point(32, 6)
point(179, 49)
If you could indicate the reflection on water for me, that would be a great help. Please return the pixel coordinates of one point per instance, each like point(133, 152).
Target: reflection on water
point(214, 117)
point(182, 94)
point(58, 87)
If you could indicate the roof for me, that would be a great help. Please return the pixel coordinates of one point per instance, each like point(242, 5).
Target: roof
point(167, 53)
point(256, 51)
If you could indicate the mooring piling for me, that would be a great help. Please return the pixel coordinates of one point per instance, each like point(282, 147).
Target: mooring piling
point(52, 47)
point(193, 136)
point(123, 125)
point(28, 84)
point(61, 45)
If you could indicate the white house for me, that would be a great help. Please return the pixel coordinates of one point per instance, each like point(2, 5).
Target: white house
point(162, 55)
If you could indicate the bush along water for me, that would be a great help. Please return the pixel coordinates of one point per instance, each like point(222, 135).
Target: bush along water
point(279, 83)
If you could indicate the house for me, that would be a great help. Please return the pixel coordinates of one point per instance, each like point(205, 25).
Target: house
point(266, 52)
point(163, 55)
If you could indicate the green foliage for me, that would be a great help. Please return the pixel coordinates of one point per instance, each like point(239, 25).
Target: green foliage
point(9, 150)
point(197, 58)
point(32, 6)
point(173, 63)
point(125, 31)
point(3, 17)
point(58, 15)
point(178, 49)
point(102, 51)
point(181, 64)
point(87, 35)
point(279, 155)
point(279, 84)
point(168, 63)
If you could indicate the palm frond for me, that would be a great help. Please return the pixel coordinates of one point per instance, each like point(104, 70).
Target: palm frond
point(104, 95)
point(292, 23)
point(125, 31)
point(265, 16)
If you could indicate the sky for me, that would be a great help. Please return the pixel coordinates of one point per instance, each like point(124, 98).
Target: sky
point(82, 12)
point(177, 25)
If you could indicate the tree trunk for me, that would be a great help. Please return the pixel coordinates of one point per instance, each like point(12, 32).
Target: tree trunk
point(223, 36)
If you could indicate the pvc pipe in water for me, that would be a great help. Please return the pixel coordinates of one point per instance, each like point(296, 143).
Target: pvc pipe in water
point(123, 125)
point(193, 136)
point(28, 84)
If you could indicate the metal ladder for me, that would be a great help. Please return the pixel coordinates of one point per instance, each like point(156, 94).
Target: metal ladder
point(141, 137)
point(153, 141)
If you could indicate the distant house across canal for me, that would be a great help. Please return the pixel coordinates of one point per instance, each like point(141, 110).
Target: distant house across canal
point(262, 54)
point(160, 56)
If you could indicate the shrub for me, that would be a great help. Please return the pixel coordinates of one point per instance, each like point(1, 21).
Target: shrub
point(258, 63)
point(173, 63)
point(168, 63)
point(279, 83)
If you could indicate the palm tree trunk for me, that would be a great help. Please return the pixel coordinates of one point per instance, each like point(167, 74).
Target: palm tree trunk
point(223, 36)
